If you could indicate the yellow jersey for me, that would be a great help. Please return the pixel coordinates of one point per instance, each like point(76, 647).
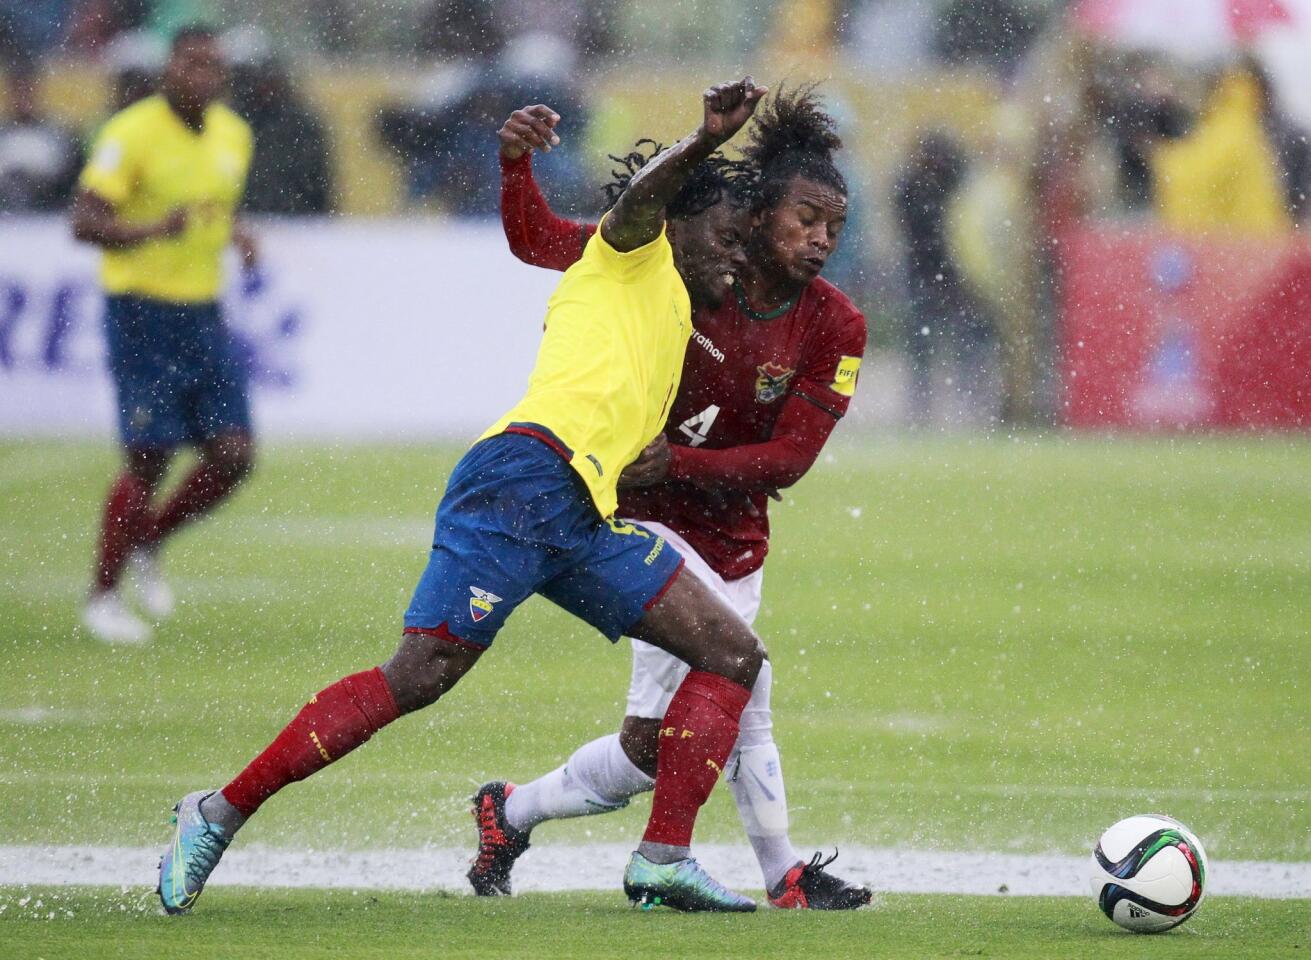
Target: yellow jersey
point(146, 162)
point(608, 368)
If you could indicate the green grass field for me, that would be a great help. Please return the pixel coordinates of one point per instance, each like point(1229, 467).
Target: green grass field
point(986, 645)
point(281, 925)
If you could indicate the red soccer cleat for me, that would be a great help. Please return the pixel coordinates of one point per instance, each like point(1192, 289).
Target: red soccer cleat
point(808, 886)
point(499, 844)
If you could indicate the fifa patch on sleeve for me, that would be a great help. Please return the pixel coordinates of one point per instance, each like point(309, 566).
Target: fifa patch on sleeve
point(844, 381)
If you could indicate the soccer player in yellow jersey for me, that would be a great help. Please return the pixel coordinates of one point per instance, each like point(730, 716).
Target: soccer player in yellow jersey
point(530, 509)
point(159, 197)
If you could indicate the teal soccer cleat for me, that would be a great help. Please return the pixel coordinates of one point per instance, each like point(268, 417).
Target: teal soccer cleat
point(681, 885)
point(191, 857)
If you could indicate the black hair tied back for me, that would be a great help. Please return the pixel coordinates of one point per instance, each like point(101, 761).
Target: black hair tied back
point(791, 136)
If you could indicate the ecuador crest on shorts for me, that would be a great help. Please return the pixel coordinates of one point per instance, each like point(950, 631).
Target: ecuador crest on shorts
point(480, 604)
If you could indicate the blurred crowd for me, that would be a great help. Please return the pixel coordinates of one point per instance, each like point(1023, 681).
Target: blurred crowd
point(951, 247)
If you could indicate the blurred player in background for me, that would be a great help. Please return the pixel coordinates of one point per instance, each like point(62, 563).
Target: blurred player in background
point(159, 197)
point(530, 508)
point(770, 372)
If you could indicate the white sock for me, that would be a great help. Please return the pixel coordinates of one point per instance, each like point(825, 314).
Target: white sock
point(598, 778)
point(755, 773)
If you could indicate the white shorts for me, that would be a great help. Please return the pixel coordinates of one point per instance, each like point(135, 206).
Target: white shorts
point(657, 674)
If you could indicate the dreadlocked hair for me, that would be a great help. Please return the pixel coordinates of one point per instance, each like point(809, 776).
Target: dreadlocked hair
point(791, 136)
point(714, 179)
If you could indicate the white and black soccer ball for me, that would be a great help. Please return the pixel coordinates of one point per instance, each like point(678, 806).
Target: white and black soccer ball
point(1149, 873)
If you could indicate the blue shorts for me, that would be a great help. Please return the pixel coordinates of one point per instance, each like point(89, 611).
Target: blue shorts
point(177, 370)
point(516, 520)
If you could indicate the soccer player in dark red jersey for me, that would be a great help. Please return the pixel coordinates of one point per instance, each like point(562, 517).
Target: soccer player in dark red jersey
point(766, 378)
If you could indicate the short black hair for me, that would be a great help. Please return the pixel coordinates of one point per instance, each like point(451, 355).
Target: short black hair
point(714, 179)
point(792, 136)
point(192, 31)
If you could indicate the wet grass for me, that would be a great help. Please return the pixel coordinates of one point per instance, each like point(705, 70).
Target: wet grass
point(989, 644)
point(287, 925)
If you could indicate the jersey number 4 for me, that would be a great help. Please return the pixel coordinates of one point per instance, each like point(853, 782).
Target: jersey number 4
point(697, 428)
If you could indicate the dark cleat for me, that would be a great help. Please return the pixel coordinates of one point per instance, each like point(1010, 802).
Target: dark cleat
point(499, 844)
point(809, 886)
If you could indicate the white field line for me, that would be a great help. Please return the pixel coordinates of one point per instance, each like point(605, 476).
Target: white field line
point(191, 590)
point(39, 716)
point(599, 867)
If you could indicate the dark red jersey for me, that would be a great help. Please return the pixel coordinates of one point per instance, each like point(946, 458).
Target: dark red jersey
point(760, 395)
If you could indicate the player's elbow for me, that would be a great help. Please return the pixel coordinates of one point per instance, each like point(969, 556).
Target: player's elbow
point(522, 249)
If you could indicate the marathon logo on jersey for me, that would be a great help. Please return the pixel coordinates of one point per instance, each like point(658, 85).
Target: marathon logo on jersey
point(773, 381)
point(708, 345)
point(844, 381)
point(480, 604)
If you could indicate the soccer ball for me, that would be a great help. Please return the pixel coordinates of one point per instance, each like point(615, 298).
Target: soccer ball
point(1149, 873)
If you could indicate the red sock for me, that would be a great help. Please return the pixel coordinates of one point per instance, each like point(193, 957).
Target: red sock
point(336, 720)
point(202, 489)
point(124, 526)
point(699, 730)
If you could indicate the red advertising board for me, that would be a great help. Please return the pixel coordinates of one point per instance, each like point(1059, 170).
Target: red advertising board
point(1164, 332)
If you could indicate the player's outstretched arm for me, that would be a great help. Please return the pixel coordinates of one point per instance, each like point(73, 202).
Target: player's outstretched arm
point(536, 235)
point(640, 213)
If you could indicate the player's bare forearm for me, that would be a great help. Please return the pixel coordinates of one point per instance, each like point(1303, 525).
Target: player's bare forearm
point(96, 222)
point(640, 212)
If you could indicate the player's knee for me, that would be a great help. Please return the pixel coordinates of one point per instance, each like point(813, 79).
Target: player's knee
point(232, 455)
point(639, 738)
point(238, 461)
point(242, 463)
point(148, 465)
point(737, 653)
point(424, 668)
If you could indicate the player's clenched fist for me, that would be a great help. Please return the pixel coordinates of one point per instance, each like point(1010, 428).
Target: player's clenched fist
point(532, 128)
point(728, 106)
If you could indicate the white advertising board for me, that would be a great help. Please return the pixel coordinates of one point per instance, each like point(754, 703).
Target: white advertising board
point(355, 329)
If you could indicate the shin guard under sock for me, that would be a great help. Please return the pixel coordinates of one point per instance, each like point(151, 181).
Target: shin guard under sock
point(335, 721)
point(699, 730)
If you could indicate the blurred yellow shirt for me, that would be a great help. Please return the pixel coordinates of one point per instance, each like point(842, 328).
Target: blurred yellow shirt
point(146, 162)
point(610, 362)
point(1223, 177)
